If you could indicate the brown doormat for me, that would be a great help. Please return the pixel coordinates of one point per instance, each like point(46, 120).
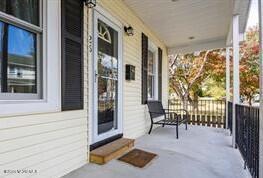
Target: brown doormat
point(137, 158)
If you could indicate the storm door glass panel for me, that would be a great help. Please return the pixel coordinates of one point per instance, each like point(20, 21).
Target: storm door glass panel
point(21, 65)
point(107, 77)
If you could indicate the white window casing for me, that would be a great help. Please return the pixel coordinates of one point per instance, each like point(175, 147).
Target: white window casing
point(154, 49)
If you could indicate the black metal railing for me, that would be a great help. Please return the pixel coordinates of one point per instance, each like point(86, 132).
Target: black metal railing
point(230, 115)
point(209, 113)
point(247, 136)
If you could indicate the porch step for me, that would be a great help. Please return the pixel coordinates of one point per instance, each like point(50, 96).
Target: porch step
point(111, 150)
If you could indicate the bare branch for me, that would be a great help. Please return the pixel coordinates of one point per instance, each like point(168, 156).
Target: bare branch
point(174, 61)
point(200, 70)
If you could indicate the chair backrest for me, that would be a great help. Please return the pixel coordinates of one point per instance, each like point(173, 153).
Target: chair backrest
point(155, 108)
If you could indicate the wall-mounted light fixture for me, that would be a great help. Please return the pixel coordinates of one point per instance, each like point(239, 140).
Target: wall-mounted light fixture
point(90, 3)
point(129, 30)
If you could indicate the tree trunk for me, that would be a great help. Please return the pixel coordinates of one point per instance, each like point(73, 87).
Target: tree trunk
point(195, 102)
point(185, 101)
point(250, 101)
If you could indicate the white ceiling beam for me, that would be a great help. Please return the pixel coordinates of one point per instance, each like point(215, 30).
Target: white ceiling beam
point(202, 46)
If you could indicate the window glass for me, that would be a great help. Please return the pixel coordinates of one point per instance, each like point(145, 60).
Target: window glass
point(150, 74)
point(21, 69)
point(27, 10)
point(150, 62)
point(150, 86)
point(3, 5)
point(19, 62)
point(1, 49)
point(107, 77)
point(108, 50)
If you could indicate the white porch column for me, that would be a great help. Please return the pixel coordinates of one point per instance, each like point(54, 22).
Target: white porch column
point(227, 83)
point(236, 96)
point(260, 7)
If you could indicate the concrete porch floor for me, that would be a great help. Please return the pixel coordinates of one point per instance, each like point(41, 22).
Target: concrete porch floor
point(200, 152)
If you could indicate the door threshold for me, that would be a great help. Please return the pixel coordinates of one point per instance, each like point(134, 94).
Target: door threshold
point(105, 141)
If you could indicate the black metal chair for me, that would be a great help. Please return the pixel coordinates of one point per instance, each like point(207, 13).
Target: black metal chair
point(171, 117)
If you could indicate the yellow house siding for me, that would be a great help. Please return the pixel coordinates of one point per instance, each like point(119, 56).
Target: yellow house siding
point(56, 143)
point(135, 116)
point(51, 143)
point(43, 142)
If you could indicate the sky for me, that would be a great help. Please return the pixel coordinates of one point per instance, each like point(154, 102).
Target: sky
point(253, 14)
point(20, 42)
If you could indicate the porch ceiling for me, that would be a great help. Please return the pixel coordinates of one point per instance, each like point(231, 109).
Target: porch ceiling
point(174, 21)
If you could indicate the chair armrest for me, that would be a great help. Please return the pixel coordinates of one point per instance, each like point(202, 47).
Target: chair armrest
point(171, 114)
point(153, 112)
point(175, 110)
point(164, 113)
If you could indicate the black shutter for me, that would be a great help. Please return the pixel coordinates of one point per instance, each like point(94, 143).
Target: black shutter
point(144, 68)
point(72, 54)
point(160, 59)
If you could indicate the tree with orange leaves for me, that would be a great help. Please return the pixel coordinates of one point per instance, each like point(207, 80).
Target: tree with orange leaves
point(189, 71)
point(249, 65)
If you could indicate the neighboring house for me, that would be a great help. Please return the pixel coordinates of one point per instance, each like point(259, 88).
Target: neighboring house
point(21, 74)
point(63, 87)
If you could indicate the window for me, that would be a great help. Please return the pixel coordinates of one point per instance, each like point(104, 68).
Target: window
point(20, 37)
point(27, 10)
point(152, 71)
point(33, 84)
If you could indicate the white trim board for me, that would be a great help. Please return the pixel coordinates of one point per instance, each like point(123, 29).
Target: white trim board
point(152, 47)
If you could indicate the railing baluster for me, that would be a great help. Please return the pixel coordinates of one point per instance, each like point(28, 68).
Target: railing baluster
point(247, 136)
point(213, 113)
point(203, 113)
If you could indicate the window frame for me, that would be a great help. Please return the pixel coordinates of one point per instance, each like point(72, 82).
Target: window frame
point(51, 57)
point(8, 19)
point(154, 49)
